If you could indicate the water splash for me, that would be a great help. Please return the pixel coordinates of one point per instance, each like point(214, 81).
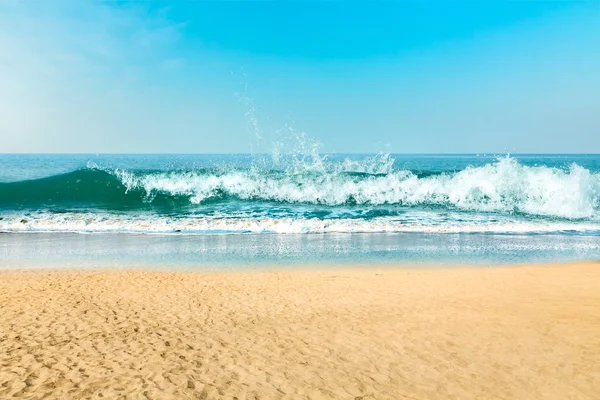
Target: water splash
point(505, 186)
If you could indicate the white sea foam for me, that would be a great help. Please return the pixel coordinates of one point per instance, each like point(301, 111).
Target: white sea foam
point(151, 223)
point(505, 186)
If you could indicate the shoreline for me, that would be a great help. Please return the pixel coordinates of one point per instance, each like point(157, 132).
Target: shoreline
point(377, 331)
point(261, 251)
point(267, 267)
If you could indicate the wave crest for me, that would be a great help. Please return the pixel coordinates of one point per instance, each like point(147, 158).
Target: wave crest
point(504, 186)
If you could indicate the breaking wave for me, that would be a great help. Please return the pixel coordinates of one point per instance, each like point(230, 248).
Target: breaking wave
point(505, 186)
point(308, 195)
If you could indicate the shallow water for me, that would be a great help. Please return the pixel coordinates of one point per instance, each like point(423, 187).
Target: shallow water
point(275, 251)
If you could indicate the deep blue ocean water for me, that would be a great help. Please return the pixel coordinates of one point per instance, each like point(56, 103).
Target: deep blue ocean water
point(319, 207)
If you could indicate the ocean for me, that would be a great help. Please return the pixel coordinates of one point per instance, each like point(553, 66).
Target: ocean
point(311, 207)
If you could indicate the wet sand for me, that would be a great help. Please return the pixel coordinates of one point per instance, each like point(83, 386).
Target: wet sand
point(528, 332)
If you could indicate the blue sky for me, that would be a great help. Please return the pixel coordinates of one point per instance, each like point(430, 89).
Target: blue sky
point(221, 77)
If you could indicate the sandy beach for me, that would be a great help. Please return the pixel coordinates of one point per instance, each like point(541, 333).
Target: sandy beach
point(528, 332)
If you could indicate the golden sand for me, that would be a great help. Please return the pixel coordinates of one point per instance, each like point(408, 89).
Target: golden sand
point(366, 333)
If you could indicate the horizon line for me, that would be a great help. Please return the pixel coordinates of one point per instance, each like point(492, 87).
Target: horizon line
point(323, 154)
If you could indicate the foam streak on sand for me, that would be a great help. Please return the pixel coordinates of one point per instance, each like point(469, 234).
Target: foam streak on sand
point(502, 333)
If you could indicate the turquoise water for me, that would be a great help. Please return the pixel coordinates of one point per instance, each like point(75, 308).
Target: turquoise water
point(230, 194)
point(484, 207)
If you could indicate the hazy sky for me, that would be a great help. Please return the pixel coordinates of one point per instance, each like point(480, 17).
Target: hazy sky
point(221, 77)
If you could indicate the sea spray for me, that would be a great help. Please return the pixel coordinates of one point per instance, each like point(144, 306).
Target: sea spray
point(504, 186)
point(313, 186)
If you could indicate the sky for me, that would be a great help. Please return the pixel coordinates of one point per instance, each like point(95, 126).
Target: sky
point(92, 76)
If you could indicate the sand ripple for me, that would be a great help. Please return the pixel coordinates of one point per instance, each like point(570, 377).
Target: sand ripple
point(372, 333)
